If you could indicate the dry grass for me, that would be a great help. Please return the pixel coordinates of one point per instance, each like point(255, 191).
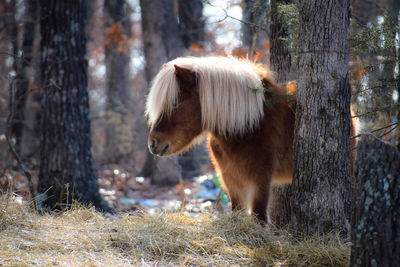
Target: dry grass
point(84, 237)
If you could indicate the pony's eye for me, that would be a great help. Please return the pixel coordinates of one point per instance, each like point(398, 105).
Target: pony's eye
point(174, 105)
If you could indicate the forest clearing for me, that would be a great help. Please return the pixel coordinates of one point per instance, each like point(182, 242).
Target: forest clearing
point(200, 133)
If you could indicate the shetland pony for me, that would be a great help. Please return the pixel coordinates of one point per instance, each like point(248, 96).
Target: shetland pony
point(247, 118)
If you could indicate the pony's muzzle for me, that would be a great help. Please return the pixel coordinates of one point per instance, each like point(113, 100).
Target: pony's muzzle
point(153, 147)
point(152, 144)
point(164, 150)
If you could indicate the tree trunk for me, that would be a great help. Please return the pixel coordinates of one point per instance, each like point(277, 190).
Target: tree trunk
point(160, 44)
point(321, 182)
point(119, 136)
point(191, 22)
point(281, 62)
point(191, 25)
point(247, 31)
point(364, 11)
point(375, 231)
point(13, 33)
point(22, 82)
point(66, 170)
point(252, 36)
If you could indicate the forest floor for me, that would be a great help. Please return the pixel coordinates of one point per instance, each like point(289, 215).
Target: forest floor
point(151, 228)
point(81, 236)
point(125, 192)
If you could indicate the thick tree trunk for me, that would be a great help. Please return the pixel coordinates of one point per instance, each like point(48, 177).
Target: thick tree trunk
point(161, 43)
point(321, 181)
point(375, 231)
point(280, 207)
point(119, 135)
point(66, 170)
point(281, 62)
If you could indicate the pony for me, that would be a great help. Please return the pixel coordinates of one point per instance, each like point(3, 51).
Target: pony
point(247, 118)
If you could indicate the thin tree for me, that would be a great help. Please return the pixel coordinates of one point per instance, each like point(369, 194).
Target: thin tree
point(161, 43)
point(254, 31)
point(66, 164)
point(117, 59)
point(321, 180)
point(192, 32)
point(21, 67)
point(191, 22)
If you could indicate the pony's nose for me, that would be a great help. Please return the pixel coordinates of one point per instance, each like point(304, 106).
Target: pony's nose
point(156, 148)
point(152, 146)
point(164, 150)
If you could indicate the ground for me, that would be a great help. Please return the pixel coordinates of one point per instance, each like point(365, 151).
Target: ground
point(126, 192)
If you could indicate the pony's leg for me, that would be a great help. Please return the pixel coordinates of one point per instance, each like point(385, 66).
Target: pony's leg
point(235, 199)
point(228, 176)
point(259, 209)
point(260, 200)
point(234, 190)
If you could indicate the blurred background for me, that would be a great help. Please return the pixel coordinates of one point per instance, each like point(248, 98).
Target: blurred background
point(128, 41)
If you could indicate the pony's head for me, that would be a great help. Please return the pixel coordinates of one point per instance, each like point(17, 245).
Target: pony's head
point(174, 116)
point(190, 96)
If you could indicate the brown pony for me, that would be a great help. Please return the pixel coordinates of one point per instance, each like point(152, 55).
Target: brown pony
point(248, 119)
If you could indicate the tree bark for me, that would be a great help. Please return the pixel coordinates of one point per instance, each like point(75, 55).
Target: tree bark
point(281, 62)
point(375, 231)
point(161, 43)
point(66, 164)
point(119, 130)
point(321, 185)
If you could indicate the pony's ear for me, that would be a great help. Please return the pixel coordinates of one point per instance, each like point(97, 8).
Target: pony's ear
point(268, 83)
point(185, 75)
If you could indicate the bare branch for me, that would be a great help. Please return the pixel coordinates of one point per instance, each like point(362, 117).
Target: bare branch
point(395, 124)
point(376, 110)
point(231, 17)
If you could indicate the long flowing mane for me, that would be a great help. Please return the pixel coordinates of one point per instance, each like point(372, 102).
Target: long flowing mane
point(230, 92)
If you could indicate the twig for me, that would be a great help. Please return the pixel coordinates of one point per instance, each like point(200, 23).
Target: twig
point(10, 118)
point(375, 110)
point(182, 192)
point(388, 132)
point(396, 124)
point(255, 37)
point(240, 20)
point(218, 199)
point(19, 57)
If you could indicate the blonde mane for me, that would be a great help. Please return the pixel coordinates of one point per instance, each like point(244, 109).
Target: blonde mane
point(230, 93)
